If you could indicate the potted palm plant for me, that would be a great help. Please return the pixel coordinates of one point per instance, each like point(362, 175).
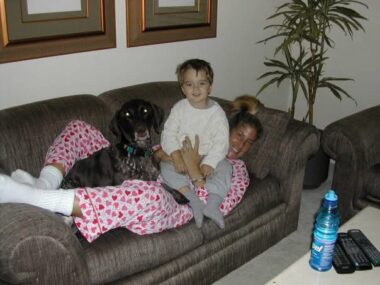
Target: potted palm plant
point(303, 29)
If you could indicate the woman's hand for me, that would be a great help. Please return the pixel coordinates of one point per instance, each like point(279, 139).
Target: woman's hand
point(179, 164)
point(189, 153)
point(192, 160)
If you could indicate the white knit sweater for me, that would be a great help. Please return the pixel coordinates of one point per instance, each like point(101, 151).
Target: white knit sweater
point(210, 124)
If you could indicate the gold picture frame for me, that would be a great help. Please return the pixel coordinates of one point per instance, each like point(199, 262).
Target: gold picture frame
point(148, 22)
point(26, 36)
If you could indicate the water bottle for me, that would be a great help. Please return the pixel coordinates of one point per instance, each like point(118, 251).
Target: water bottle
point(325, 233)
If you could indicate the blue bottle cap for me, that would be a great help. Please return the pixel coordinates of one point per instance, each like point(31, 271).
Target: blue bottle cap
point(330, 199)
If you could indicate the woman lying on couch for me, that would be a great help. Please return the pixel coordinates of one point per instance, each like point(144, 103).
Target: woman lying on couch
point(142, 207)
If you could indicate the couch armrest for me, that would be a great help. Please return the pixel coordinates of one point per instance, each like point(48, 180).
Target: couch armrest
point(353, 142)
point(355, 137)
point(36, 246)
point(299, 143)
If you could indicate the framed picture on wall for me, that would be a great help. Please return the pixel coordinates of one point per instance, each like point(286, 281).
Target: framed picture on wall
point(162, 21)
point(39, 28)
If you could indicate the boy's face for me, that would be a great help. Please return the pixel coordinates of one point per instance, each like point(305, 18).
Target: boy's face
point(196, 88)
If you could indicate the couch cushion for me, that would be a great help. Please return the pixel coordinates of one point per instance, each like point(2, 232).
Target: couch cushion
point(264, 151)
point(39, 123)
point(120, 253)
point(260, 197)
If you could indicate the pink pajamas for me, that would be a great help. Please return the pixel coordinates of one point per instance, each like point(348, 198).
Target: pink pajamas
point(77, 141)
point(142, 207)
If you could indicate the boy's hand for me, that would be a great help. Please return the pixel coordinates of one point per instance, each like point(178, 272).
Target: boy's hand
point(179, 164)
point(206, 170)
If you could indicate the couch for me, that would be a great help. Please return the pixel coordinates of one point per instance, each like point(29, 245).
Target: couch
point(354, 143)
point(37, 247)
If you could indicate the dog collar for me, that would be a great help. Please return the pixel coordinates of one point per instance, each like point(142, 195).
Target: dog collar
point(131, 150)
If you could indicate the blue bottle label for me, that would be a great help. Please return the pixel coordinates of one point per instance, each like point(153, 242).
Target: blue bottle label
point(322, 253)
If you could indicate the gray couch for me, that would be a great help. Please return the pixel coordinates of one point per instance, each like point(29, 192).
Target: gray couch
point(354, 143)
point(36, 247)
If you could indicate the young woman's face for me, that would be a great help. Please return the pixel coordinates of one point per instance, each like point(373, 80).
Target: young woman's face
point(196, 88)
point(241, 140)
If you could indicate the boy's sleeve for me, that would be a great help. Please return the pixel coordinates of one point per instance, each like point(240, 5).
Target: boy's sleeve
point(220, 135)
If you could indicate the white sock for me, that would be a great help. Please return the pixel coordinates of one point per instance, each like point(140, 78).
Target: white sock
point(50, 178)
point(22, 176)
point(59, 201)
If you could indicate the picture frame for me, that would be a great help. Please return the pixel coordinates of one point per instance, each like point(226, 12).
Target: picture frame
point(153, 22)
point(26, 35)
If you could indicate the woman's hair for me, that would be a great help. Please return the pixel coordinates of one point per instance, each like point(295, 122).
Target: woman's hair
point(197, 65)
point(247, 103)
point(243, 110)
point(245, 118)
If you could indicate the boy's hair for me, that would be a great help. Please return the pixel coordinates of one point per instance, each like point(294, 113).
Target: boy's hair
point(197, 65)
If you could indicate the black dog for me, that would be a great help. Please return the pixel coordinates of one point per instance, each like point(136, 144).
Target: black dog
point(130, 157)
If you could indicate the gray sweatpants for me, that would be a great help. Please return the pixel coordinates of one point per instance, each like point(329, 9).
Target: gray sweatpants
point(218, 183)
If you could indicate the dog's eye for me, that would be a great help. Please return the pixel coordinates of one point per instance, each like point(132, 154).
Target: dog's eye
point(127, 114)
point(145, 110)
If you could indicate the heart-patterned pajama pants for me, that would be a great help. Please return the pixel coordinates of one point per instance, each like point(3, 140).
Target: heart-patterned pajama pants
point(142, 207)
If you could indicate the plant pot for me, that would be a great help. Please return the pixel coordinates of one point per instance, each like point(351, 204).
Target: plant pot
point(317, 170)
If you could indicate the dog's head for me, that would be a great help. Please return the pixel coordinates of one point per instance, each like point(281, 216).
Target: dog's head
point(135, 120)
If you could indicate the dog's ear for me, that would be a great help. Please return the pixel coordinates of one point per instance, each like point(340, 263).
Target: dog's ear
point(114, 126)
point(158, 117)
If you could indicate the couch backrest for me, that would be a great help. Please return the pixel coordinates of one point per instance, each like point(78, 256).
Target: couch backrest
point(263, 154)
point(27, 131)
point(264, 151)
point(166, 94)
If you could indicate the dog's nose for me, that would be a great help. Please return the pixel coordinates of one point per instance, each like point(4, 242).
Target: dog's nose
point(142, 134)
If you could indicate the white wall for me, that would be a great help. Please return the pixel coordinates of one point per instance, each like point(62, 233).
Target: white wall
point(236, 58)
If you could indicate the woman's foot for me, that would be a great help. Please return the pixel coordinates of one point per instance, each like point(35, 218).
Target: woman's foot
point(54, 200)
point(24, 177)
point(9, 192)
